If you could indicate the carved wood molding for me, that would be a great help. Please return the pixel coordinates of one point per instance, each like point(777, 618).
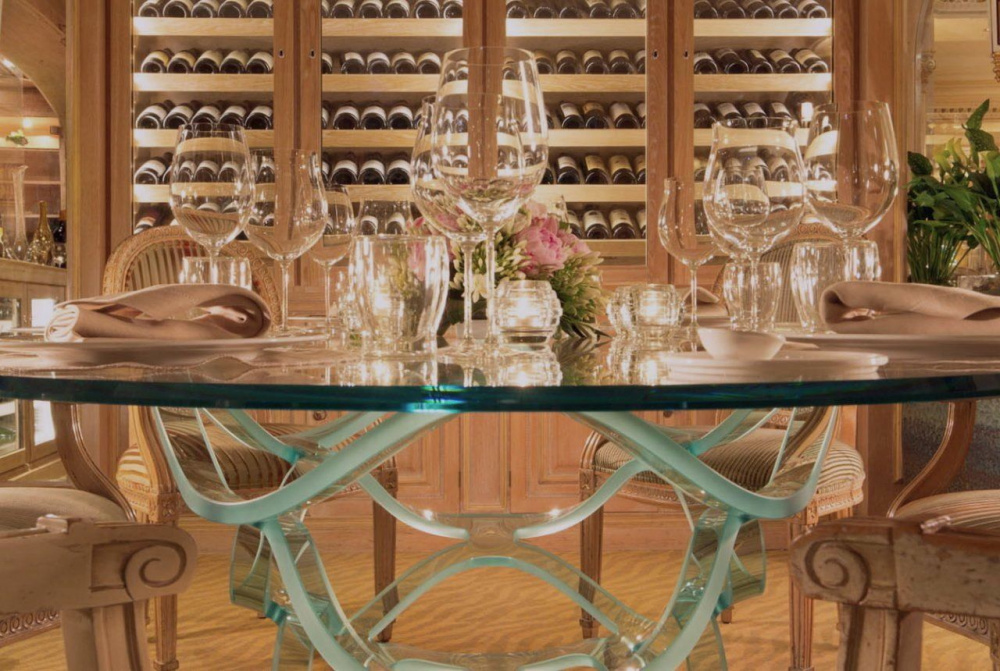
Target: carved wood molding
point(18, 626)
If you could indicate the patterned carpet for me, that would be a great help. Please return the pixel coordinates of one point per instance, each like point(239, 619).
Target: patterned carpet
point(493, 611)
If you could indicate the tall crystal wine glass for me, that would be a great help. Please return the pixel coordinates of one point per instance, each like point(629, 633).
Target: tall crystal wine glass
point(443, 215)
point(300, 208)
point(490, 141)
point(212, 213)
point(852, 167)
point(335, 243)
point(680, 234)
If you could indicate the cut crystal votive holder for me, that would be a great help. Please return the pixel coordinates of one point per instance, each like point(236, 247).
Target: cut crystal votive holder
point(528, 313)
point(657, 312)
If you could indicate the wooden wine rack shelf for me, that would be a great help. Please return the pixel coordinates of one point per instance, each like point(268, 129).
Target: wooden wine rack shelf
point(762, 83)
point(159, 27)
point(351, 29)
point(620, 252)
point(703, 137)
point(166, 139)
point(143, 82)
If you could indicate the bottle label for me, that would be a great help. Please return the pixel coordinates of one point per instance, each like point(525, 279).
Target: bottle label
point(753, 109)
point(728, 110)
point(565, 54)
point(401, 57)
point(617, 163)
point(595, 163)
point(619, 217)
point(619, 110)
point(594, 219)
point(401, 110)
point(374, 164)
point(779, 109)
point(264, 57)
point(569, 109)
point(374, 110)
point(400, 164)
point(640, 163)
point(568, 163)
point(592, 53)
point(235, 110)
point(346, 164)
point(353, 56)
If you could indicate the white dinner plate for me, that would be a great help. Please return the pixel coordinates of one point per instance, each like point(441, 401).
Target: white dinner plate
point(786, 366)
point(898, 347)
point(106, 351)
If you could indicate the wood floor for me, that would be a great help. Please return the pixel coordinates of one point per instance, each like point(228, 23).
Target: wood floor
point(493, 611)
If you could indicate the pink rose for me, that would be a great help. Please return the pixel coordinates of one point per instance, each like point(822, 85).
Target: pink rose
point(543, 247)
point(536, 210)
point(574, 244)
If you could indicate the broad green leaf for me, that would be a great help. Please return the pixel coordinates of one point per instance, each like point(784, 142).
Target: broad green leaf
point(920, 164)
point(975, 121)
point(980, 140)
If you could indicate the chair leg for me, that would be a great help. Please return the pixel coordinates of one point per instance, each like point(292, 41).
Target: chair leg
point(591, 543)
point(800, 611)
point(726, 616)
point(994, 632)
point(112, 638)
point(165, 626)
point(385, 547)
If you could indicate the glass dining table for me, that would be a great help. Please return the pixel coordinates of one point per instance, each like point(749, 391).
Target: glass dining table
point(385, 404)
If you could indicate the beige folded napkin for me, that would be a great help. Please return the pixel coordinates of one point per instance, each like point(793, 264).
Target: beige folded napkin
point(166, 312)
point(709, 305)
point(918, 309)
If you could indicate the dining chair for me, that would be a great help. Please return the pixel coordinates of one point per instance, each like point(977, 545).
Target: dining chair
point(887, 574)
point(156, 257)
point(748, 462)
point(76, 549)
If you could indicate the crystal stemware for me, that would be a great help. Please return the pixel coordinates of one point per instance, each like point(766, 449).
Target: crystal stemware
point(441, 212)
point(335, 243)
point(212, 212)
point(852, 167)
point(300, 217)
point(490, 141)
point(683, 238)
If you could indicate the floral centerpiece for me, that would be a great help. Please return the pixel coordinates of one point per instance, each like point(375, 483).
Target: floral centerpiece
point(538, 245)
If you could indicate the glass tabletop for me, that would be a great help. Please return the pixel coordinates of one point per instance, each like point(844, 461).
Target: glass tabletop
point(572, 377)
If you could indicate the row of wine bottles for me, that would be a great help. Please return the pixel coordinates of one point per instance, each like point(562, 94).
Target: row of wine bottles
point(593, 223)
point(769, 165)
point(157, 169)
point(381, 63)
point(754, 61)
point(619, 169)
point(167, 115)
point(749, 114)
point(595, 116)
point(761, 9)
point(576, 9)
point(593, 62)
point(331, 9)
point(209, 62)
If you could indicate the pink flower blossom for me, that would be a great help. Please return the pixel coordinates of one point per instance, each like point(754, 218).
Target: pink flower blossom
point(543, 246)
point(572, 243)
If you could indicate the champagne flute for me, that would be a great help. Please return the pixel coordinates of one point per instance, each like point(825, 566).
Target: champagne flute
point(683, 239)
point(490, 141)
point(335, 242)
point(212, 213)
point(300, 218)
point(442, 214)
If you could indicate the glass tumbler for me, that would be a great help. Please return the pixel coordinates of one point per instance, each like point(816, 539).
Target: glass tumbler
point(198, 270)
point(815, 268)
point(403, 286)
point(752, 293)
point(862, 262)
point(658, 311)
point(528, 313)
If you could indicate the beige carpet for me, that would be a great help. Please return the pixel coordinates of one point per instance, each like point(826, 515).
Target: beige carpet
point(494, 611)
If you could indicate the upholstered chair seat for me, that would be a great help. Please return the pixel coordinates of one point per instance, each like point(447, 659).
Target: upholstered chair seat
point(973, 511)
point(20, 507)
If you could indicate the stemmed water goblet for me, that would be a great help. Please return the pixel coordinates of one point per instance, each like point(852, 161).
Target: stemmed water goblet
point(335, 243)
point(441, 212)
point(213, 214)
point(300, 217)
point(489, 140)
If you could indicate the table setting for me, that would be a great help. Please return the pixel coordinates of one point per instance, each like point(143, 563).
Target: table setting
point(383, 353)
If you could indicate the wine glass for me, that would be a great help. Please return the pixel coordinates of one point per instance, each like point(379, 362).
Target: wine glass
point(490, 141)
point(682, 237)
point(213, 214)
point(441, 212)
point(300, 218)
point(335, 242)
point(852, 167)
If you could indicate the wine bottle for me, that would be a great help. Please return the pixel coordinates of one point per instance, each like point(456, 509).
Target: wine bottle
point(640, 222)
point(151, 9)
point(596, 170)
point(595, 225)
point(546, 65)
point(352, 63)
point(622, 227)
point(400, 117)
point(640, 111)
point(640, 8)
point(266, 170)
point(378, 63)
point(154, 171)
point(703, 9)
point(429, 63)
point(810, 62)
point(640, 61)
point(153, 116)
point(784, 63)
point(754, 114)
point(810, 9)
point(703, 117)
point(453, 9)
point(517, 9)
point(370, 9)
point(342, 9)
point(573, 218)
point(345, 171)
point(208, 114)
point(398, 172)
point(598, 9)
point(328, 63)
point(150, 216)
point(570, 116)
point(777, 166)
point(620, 63)
point(182, 63)
point(567, 63)
point(326, 167)
point(209, 62)
point(260, 9)
point(235, 115)
point(568, 171)
point(704, 64)
point(185, 171)
point(728, 113)
point(233, 9)
point(235, 62)
point(178, 9)
point(731, 62)
point(757, 165)
point(700, 169)
point(778, 110)
point(572, 9)
point(207, 171)
point(372, 170)
point(549, 176)
point(621, 170)
point(373, 117)
point(261, 63)
point(545, 9)
point(180, 115)
point(756, 9)
point(758, 62)
point(157, 61)
point(730, 9)
point(427, 9)
point(205, 9)
point(622, 117)
point(640, 168)
point(595, 117)
point(261, 117)
point(623, 9)
point(403, 63)
point(783, 9)
point(324, 116)
point(397, 9)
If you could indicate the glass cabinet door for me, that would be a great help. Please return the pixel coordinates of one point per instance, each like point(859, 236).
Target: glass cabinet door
point(12, 450)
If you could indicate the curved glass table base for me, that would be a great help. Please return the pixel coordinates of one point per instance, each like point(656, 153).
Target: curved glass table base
point(277, 570)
